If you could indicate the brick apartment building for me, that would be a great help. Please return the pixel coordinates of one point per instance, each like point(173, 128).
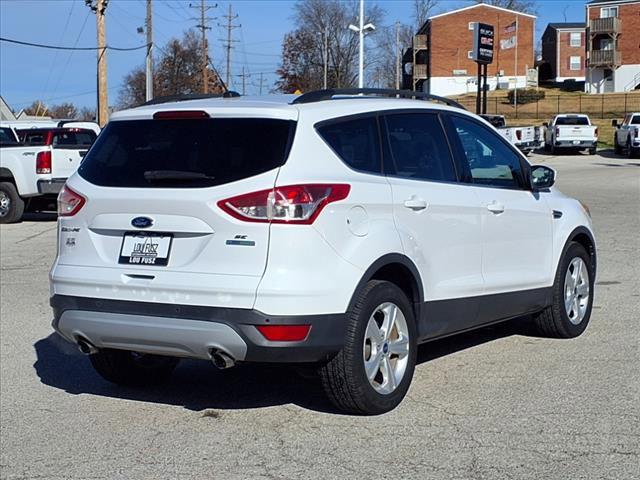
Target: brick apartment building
point(439, 59)
point(613, 46)
point(563, 52)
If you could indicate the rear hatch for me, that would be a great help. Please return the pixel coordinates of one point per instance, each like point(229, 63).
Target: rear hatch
point(152, 189)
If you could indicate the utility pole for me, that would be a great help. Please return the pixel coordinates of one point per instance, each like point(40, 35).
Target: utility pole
point(99, 7)
point(228, 44)
point(261, 82)
point(244, 81)
point(205, 48)
point(149, 25)
point(397, 55)
point(326, 56)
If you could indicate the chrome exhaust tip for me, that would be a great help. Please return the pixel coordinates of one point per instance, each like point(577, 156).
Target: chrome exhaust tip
point(221, 360)
point(85, 347)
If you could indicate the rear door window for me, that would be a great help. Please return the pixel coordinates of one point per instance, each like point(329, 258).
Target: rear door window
point(355, 141)
point(35, 139)
point(186, 153)
point(419, 148)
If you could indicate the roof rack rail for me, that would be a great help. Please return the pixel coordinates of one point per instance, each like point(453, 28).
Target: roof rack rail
point(189, 96)
point(329, 93)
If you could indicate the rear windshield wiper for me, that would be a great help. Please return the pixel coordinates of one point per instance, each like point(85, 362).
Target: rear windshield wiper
point(174, 175)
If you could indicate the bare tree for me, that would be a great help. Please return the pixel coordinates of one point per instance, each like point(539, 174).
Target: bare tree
point(384, 72)
point(178, 71)
point(303, 49)
point(525, 6)
point(64, 110)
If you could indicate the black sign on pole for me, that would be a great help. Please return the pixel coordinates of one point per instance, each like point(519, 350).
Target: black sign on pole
point(482, 54)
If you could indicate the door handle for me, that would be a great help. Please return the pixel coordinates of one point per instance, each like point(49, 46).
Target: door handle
point(416, 204)
point(495, 207)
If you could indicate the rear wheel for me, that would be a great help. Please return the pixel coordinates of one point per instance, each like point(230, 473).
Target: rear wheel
point(630, 152)
point(11, 205)
point(131, 368)
point(373, 371)
point(569, 314)
point(592, 151)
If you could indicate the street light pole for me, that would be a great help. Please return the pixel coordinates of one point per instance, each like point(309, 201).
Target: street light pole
point(361, 30)
point(361, 35)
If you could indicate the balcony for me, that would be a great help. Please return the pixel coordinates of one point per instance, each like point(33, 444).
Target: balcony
point(605, 25)
point(605, 58)
point(419, 72)
point(420, 42)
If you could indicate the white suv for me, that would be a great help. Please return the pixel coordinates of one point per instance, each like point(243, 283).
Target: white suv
point(330, 228)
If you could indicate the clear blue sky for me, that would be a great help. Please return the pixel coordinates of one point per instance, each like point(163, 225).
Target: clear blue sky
point(28, 73)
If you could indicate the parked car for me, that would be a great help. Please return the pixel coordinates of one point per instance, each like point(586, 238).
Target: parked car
point(236, 230)
point(526, 139)
point(34, 170)
point(626, 137)
point(571, 131)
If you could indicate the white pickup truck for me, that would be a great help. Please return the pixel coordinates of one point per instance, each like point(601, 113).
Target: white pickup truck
point(33, 172)
point(626, 138)
point(526, 139)
point(571, 131)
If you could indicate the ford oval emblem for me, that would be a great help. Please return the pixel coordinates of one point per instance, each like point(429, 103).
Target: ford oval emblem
point(142, 222)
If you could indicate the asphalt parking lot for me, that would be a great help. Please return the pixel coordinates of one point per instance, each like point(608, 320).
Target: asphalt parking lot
point(497, 403)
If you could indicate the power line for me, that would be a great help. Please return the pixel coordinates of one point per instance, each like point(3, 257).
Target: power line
point(56, 47)
point(205, 47)
point(229, 42)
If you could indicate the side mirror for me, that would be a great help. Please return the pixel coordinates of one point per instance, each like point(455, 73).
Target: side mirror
point(545, 124)
point(614, 123)
point(542, 177)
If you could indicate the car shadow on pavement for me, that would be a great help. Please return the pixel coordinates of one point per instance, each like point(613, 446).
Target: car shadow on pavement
point(198, 385)
point(40, 217)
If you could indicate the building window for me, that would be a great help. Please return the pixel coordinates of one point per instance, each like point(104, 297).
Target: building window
point(608, 12)
point(576, 39)
point(575, 63)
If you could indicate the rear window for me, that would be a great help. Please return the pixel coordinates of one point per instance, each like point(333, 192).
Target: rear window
point(186, 153)
point(572, 121)
point(635, 120)
point(36, 139)
point(79, 139)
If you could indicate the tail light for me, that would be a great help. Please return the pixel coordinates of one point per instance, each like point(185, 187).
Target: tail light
point(519, 134)
point(181, 115)
point(596, 131)
point(284, 333)
point(69, 202)
point(293, 204)
point(557, 131)
point(43, 162)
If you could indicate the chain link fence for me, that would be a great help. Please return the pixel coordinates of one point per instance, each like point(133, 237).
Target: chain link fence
point(611, 105)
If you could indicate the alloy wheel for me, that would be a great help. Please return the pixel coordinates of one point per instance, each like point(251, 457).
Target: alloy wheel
point(576, 290)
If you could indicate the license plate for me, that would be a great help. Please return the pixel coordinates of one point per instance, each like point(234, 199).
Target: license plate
point(145, 248)
point(577, 142)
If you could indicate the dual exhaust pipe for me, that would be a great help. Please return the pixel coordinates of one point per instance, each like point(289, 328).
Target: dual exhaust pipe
point(220, 359)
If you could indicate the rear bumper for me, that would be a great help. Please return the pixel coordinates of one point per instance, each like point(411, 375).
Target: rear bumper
point(192, 331)
point(573, 144)
point(51, 187)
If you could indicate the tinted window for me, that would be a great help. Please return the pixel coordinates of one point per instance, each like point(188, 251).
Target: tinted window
point(490, 160)
point(7, 137)
point(185, 153)
point(572, 121)
point(74, 140)
point(35, 138)
point(635, 120)
point(356, 142)
point(419, 147)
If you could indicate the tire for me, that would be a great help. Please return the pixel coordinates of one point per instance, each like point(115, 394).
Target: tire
point(553, 150)
point(555, 321)
point(617, 149)
point(127, 368)
point(630, 153)
point(592, 151)
point(344, 378)
point(11, 205)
